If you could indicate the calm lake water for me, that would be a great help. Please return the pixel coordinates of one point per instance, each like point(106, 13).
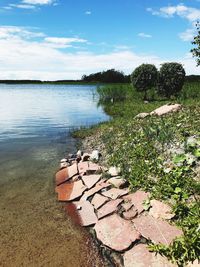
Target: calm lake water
point(35, 126)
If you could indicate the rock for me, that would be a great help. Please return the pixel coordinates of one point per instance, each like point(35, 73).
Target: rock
point(114, 193)
point(165, 109)
point(114, 171)
point(130, 214)
point(87, 167)
point(64, 165)
point(142, 115)
point(98, 187)
point(160, 210)
point(137, 199)
point(91, 180)
point(116, 233)
point(158, 231)
point(139, 256)
point(196, 263)
point(109, 208)
point(63, 160)
point(70, 191)
point(72, 170)
point(127, 205)
point(62, 176)
point(82, 213)
point(98, 201)
point(95, 155)
point(192, 141)
point(79, 153)
point(117, 182)
point(85, 157)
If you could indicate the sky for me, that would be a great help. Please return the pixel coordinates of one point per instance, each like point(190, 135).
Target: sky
point(65, 39)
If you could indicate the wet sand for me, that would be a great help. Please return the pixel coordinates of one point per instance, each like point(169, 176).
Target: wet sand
point(34, 230)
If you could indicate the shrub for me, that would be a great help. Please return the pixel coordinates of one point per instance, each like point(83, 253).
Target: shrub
point(170, 79)
point(144, 78)
point(196, 51)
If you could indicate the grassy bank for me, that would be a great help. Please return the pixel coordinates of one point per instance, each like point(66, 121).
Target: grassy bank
point(155, 154)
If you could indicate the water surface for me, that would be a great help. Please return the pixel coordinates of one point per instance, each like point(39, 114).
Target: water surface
point(35, 126)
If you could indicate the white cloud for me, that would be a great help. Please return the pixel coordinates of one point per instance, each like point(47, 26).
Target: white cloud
point(190, 13)
point(188, 35)
point(24, 58)
point(64, 41)
point(144, 35)
point(22, 6)
point(88, 12)
point(38, 2)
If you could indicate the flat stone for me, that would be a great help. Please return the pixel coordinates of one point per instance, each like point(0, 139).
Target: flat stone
point(137, 199)
point(116, 233)
point(142, 115)
point(91, 180)
point(115, 193)
point(127, 205)
point(62, 176)
point(114, 171)
point(82, 213)
point(165, 109)
point(139, 256)
point(109, 208)
point(73, 170)
point(98, 187)
point(98, 201)
point(130, 214)
point(117, 182)
point(160, 210)
point(88, 167)
point(158, 231)
point(196, 263)
point(70, 191)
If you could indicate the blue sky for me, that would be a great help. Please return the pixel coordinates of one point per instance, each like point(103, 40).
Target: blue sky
point(64, 39)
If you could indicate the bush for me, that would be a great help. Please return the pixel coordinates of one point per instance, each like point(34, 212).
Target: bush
point(170, 79)
point(144, 78)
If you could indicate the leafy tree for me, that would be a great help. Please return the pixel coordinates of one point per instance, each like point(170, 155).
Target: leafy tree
point(144, 78)
point(108, 76)
point(170, 79)
point(196, 51)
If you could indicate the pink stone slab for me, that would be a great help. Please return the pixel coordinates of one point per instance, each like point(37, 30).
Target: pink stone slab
point(70, 191)
point(62, 176)
point(158, 231)
point(130, 214)
point(139, 256)
point(109, 208)
point(73, 170)
point(165, 109)
point(196, 263)
point(91, 180)
point(98, 187)
point(98, 201)
point(160, 210)
point(116, 233)
point(81, 212)
point(114, 193)
point(88, 167)
point(127, 205)
point(137, 199)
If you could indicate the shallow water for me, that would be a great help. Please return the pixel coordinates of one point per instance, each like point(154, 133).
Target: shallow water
point(35, 125)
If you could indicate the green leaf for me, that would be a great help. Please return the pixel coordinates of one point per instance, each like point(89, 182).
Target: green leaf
point(197, 153)
point(179, 158)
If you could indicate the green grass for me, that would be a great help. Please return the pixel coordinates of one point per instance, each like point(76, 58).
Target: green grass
point(139, 148)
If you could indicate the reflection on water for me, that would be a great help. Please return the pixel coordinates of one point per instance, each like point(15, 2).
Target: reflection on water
point(35, 121)
point(32, 110)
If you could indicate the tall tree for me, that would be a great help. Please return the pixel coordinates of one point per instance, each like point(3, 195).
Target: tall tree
point(196, 51)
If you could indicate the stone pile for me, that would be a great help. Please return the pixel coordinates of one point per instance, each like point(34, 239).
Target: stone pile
point(118, 217)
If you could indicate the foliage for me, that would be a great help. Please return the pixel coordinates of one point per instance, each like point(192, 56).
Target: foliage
point(109, 76)
point(196, 51)
point(144, 78)
point(170, 79)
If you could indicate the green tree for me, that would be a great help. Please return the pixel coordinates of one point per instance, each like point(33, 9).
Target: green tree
point(170, 79)
point(144, 78)
point(196, 51)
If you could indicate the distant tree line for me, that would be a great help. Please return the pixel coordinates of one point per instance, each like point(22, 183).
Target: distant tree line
point(108, 76)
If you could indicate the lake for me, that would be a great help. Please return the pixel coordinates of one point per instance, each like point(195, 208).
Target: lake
point(35, 126)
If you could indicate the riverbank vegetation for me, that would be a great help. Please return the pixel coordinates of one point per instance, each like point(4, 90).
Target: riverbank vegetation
point(157, 154)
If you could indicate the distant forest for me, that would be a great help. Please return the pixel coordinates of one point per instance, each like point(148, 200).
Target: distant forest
point(108, 76)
